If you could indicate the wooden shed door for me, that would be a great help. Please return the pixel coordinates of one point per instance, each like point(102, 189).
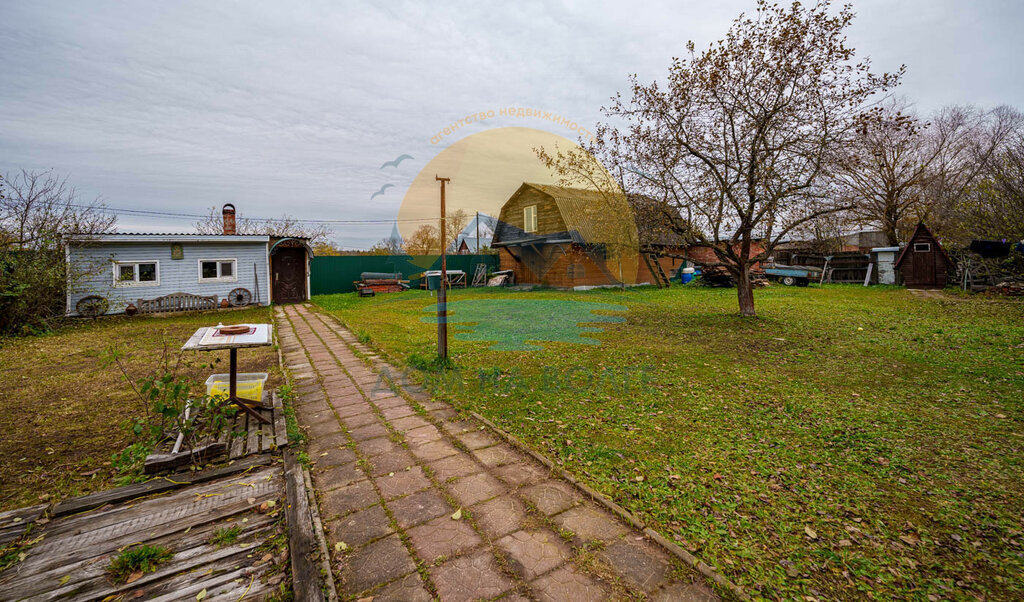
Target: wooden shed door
point(924, 268)
point(288, 267)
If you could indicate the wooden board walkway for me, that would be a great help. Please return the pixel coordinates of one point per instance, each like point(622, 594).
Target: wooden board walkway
point(71, 557)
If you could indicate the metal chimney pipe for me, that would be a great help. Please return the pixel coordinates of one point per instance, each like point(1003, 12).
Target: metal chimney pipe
point(229, 218)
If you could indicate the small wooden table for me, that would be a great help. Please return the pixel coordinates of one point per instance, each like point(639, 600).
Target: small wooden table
point(207, 339)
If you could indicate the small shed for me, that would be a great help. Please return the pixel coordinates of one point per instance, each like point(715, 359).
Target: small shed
point(885, 262)
point(923, 263)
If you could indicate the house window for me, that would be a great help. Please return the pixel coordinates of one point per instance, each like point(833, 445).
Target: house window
point(922, 247)
point(218, 270)
point(136, 273)
point(530, 218)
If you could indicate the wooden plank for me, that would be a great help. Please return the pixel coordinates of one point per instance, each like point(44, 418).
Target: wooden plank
point(120, 494)
point(88, 578)
point(280, 423)
point(238, 442)
point(160, 462)
point(190, 507)
point(81, 553)
point(252, 443)
point(69, 544)
point(306, 578)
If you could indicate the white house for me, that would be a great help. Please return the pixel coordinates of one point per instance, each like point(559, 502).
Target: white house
point(124, 269)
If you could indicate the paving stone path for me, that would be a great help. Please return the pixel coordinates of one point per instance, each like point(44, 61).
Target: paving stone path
point(420, 504)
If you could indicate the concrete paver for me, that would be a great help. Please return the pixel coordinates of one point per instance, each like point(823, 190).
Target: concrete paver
point(401, 484)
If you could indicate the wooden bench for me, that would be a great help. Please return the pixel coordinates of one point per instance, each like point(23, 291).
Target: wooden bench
point(176, 302)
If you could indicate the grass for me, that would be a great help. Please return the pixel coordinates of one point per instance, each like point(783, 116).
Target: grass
point(142, 559)
point(63, 411)
point(848, 442)
point(225, 536)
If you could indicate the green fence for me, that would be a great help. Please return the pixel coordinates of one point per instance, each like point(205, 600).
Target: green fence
point(335, 274)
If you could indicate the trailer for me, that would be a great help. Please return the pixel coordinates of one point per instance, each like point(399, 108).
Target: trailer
point(793, 275)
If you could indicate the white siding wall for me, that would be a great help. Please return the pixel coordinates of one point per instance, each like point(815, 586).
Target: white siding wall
point(176, 275)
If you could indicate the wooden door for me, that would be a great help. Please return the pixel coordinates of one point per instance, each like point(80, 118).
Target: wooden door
point(288, 267)
point(924, 268)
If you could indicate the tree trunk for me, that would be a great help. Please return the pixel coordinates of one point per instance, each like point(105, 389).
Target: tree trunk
point(745, 292)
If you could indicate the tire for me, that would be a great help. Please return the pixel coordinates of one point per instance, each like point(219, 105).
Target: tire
point(789, 281)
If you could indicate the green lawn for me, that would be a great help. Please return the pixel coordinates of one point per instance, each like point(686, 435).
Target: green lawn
point(62, 410)
point(850, 441)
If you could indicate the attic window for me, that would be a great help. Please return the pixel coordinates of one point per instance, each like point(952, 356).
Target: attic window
point(922, 247)
point(530, 218)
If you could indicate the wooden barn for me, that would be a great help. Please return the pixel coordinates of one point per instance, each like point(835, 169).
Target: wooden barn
point(923, 263)
point(570, 237)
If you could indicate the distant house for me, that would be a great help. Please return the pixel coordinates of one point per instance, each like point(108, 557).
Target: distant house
point(125, 268)
point(923, 263)
point(571, 237)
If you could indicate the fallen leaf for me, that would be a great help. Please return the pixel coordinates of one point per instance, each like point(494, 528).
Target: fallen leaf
point(845, 543)
point(340, 546)
point(134, 577)
point(810, 533)
point(64, 579)
point(457, 515)
point(201, 594)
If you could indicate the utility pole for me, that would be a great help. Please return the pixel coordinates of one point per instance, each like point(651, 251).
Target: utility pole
point(442, 291)
point(477, 232)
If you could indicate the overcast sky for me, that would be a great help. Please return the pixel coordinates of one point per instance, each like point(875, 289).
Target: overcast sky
point(293, 106)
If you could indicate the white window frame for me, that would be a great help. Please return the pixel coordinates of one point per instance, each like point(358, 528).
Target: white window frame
point(530, 215)
point(219, 278)
point(118, 283)
point(925, 247)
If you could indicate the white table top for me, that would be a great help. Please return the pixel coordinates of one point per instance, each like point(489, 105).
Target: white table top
point(205, 340)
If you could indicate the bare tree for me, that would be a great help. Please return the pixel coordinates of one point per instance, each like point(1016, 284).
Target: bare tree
point(426, 240)
point(968, 142)
point(455, 223)
point(37, 208)
point(285, 225)
point(387, 246)
point(738, 136)
point(40, 206)
point(884, 167)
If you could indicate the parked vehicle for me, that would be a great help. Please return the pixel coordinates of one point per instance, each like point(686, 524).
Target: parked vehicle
point(793, 275)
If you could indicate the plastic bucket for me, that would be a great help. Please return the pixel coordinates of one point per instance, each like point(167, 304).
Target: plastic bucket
point(249, 385)
point(433, 282)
